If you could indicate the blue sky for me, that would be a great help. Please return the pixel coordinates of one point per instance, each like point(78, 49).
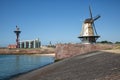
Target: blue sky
point(57, 20)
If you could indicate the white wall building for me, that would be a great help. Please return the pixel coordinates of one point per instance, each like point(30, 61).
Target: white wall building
point(30, 43)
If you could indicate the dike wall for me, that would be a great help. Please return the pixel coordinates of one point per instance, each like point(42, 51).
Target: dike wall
point(28, 51)
point(68, 50)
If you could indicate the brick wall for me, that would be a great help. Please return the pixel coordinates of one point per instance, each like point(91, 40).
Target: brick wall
point(68, 50)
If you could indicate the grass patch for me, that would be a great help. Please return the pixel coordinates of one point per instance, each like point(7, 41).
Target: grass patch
point(117, 47)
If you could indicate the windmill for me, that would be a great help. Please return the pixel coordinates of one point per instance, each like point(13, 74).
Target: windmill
point(89, 34)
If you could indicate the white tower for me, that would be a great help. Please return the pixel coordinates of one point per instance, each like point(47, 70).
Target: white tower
point(88, 34)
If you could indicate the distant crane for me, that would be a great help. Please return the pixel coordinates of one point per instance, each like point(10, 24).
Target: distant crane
point(89, 34)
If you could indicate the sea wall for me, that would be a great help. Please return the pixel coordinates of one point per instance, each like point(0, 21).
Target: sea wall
point(67, 50)
point(28, 51)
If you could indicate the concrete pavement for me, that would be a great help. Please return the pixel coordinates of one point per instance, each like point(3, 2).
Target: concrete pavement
point(91, 66)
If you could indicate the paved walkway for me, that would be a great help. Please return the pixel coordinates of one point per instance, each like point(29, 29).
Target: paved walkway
point(92, 66)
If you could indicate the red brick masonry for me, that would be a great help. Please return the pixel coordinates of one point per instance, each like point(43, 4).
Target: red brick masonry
point(68, 50)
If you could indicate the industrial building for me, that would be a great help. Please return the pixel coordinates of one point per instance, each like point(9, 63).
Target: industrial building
point(30, 43)
point(25, 43)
